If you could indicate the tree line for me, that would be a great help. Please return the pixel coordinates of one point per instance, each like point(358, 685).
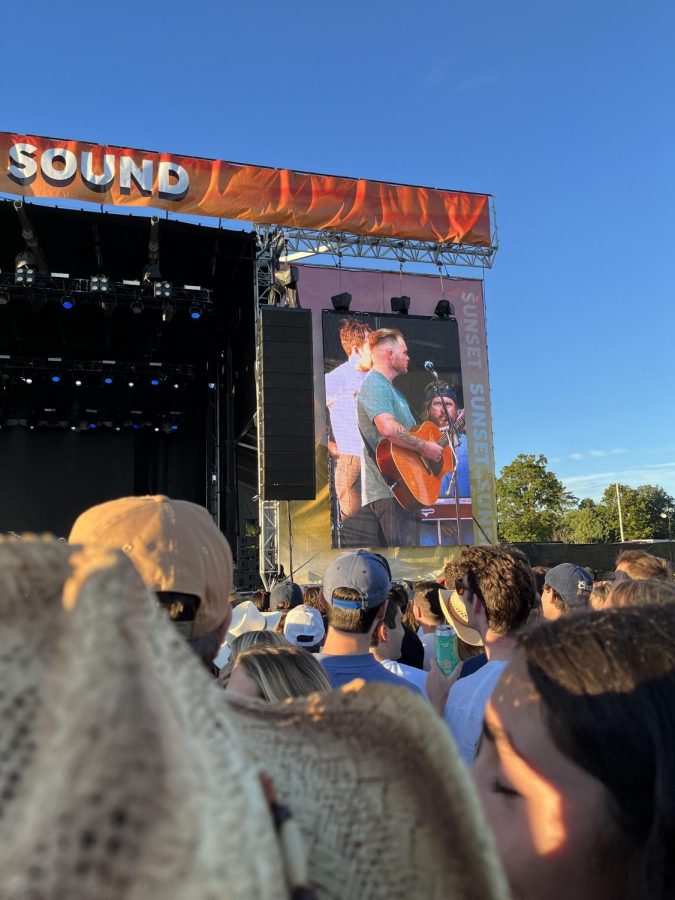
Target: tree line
point(533, 505)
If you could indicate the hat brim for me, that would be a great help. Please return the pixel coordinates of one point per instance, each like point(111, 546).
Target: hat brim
point(449, 601)
point(272, 619)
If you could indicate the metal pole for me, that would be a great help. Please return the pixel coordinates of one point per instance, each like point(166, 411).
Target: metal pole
point(618, 502)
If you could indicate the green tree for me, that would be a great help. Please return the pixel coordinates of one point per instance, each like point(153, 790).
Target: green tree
point(589, 524)
point(531, 501)
point(641, 509)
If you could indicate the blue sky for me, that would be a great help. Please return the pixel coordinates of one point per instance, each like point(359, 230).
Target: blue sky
point(563, 111)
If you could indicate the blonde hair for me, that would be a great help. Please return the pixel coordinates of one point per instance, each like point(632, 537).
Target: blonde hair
point(255, 639)
point(641, 592)
point(284, 671)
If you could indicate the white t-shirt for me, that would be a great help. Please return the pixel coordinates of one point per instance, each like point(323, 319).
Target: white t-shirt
point(410, 673)
point(466, 704)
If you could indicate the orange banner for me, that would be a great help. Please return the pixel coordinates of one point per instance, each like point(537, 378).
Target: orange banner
point(48, 167)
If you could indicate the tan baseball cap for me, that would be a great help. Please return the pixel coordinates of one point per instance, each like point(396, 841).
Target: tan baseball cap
point(457, 615)
point(175, 546)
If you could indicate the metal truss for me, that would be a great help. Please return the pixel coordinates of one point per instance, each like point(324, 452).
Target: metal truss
point(268, 510)
point(299, 240)
point(57, 288)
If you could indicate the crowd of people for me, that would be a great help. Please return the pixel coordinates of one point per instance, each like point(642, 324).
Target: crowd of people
point(164, 736)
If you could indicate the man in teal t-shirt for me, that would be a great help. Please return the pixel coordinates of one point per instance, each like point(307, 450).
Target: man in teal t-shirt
point(383, 412)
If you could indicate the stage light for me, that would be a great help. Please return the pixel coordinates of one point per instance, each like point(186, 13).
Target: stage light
point(67, 302)
point(400, 305)
point(73, 427)
point(156, 429)
point(444, 309)
point(131, 384)
point(162, 290)
point(92, 424)
point(136, 307)
point(25, 268)
point(195, 311)
point(174, 427)
point(211, 386)
point(28, 380)
point(56, 379)
point(341, 301)
point(4, 298)
point(154, 382)
point(78, 383)
point(107, 380)
point(176, 386)
point(168, 310)
point(99, 284)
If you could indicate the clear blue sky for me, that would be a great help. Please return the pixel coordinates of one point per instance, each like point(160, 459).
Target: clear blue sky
point(563, 111)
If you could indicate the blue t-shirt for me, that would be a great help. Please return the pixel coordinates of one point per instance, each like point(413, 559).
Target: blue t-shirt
point(343, 669)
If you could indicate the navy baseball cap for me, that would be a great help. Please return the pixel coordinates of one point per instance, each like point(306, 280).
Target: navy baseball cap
point(573, 584)
point(362, 571)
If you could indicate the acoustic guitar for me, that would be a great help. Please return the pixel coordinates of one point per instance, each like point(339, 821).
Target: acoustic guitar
point(415, 481)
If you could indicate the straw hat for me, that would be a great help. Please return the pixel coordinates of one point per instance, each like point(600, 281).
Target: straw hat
point(126, 774)
point(457, 615)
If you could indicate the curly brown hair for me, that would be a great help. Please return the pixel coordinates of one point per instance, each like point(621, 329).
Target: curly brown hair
point(501, 577)
point(353, 334)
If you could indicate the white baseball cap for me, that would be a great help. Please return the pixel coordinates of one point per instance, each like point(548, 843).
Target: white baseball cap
point(304, 627)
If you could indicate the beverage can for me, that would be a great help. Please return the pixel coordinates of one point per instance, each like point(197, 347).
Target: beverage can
point(446, 649)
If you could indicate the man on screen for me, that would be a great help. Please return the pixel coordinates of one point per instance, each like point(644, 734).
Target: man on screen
point(439, 397)
point(384, 412)
point(342, 388)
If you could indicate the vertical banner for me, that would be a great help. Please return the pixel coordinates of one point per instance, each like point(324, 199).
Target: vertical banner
point(439, 505)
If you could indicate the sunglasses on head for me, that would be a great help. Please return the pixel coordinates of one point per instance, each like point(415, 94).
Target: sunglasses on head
point(472, 587)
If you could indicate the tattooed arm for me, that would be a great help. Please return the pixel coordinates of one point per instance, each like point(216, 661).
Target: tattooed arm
point(388, 427)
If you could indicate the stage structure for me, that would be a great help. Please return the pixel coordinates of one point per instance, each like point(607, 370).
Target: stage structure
point(263, 349)
point(114, 350)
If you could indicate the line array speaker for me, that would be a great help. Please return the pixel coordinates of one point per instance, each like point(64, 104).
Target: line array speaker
point(287, 401)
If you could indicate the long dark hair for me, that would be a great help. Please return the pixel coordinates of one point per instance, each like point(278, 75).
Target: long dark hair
point(607, 684)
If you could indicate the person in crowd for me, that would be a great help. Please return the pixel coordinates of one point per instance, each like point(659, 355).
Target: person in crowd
point(356, 587)
point(386, 643)
point(600, 594)
point(470, 648)
point(412, 651)
point(640, 592)
point(640, 564)
point(304, 628)
point(428, 614)
point(575, 768)
point(567, 588)
point(342, 387)
point(383, 412)
point(180, 554)
point(248, 640)
point(260, 599)
point(313, 596)
point(246, 617)
point(276, 673)
point(285, 595)
point(498, 589)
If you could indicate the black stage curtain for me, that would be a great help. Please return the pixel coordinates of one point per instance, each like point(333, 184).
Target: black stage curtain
point(47, 478)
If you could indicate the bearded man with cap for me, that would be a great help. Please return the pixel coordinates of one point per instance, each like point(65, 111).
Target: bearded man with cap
point(355, 587)
point(181, 556)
